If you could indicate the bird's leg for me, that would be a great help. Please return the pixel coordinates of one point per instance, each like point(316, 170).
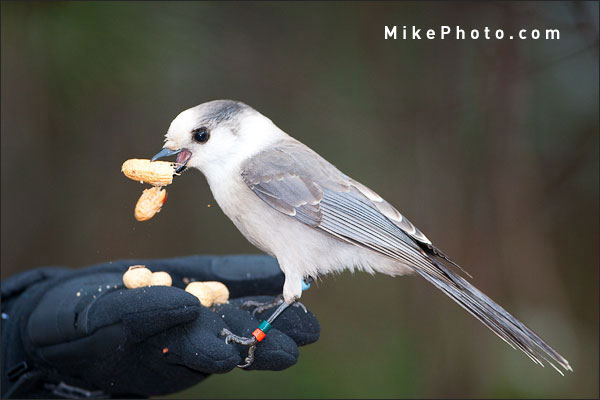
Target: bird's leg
point(261, 332)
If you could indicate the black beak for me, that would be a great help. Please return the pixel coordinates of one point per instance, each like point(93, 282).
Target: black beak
point(182, 158)
point(165, 153)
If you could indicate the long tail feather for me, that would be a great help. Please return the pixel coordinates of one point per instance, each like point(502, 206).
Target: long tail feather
point(497, 319)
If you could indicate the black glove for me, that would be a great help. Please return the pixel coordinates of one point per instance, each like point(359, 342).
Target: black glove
point(81, 333)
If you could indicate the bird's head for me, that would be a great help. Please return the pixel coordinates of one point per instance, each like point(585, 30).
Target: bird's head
point(217, 134)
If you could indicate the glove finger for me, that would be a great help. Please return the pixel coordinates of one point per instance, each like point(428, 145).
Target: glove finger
point(244, 275)
point(302, 327)
point(145, 311)
point(276, 352)
point(77, 307)
point(199, 345)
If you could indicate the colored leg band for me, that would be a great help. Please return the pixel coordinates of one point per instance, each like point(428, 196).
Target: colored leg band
point(260, 332)
point(305, 285)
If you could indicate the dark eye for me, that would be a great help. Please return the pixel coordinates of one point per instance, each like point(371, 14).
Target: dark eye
point(200, 135)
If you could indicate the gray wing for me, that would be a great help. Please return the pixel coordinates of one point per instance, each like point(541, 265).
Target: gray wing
point(296, 181)
point(292, 178)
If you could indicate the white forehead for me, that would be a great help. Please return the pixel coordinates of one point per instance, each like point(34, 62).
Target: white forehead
point(184, 122)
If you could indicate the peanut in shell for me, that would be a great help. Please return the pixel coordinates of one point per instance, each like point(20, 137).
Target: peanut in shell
point(157, 173)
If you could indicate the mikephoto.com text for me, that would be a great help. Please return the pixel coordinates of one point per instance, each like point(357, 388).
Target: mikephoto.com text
point(413, 32)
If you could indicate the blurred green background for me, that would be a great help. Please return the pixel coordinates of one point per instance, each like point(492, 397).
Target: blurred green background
point(489, 146)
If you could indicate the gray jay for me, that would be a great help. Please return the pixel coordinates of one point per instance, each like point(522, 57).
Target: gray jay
point(296, 206)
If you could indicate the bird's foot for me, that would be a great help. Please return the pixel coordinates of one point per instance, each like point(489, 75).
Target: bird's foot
point(261, 307)
point(261, 332)
point(251, 342)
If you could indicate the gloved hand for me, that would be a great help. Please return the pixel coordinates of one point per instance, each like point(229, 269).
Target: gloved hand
point(65, 330)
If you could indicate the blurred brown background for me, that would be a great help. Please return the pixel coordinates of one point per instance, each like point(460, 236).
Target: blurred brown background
point(489, 146)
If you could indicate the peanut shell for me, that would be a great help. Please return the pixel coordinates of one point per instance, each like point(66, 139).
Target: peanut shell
point(209, 293)
point(161, 278)
point(157, 173)
point(220, 293)
point(150, 203)
point(137, 276)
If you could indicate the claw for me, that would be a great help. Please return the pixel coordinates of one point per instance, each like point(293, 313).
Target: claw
point(251, 342)
point(249, 358)
point(261, 307)
point(302, 306)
